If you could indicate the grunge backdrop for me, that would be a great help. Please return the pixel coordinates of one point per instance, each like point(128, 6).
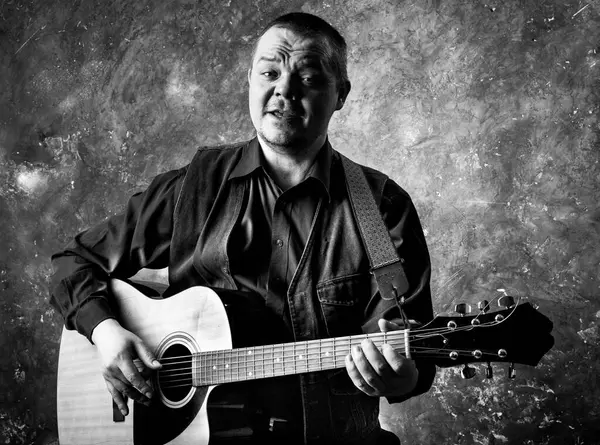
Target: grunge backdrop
point(486, 112)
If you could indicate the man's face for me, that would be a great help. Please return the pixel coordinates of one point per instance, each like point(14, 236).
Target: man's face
point(293, 90)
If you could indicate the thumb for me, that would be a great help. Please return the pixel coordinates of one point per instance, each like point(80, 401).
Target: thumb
point(386, 325)
point(146, 356)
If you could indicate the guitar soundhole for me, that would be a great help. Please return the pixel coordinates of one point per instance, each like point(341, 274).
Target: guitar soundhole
point(175, 376)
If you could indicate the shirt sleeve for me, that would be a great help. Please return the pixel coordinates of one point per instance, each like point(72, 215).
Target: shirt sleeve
point(118, 247)
point(404, 226)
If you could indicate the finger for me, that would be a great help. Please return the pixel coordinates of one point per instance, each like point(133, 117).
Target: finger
point(124, 386)
point(118, 398)
point(135, 379)
point(403, 368)
point(397, 362)
point(378, 362)
point(356, 377)
point(368, 374)
point(146, 355)
point(145, 372)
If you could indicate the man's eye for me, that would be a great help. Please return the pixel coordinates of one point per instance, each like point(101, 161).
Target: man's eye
point(312, 80)
point(269, 74)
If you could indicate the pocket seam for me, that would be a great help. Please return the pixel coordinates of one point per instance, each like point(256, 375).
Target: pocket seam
point(322, 288)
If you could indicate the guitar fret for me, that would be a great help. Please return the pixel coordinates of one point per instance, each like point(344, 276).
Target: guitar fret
point(218, 365)
point(306, 355)
point(280, 360)
point(237, 366)
point(272, 361)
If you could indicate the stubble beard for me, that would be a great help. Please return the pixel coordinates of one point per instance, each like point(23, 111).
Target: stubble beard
point(284, 141)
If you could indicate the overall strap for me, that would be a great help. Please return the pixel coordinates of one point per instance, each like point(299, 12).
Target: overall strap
point(383, 257)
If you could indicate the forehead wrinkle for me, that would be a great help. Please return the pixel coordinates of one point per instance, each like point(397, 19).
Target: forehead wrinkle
point(285, 44)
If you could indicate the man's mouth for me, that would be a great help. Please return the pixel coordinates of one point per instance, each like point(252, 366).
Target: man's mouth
point(281, 114)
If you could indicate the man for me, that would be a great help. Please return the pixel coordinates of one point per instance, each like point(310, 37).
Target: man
point(270, 216)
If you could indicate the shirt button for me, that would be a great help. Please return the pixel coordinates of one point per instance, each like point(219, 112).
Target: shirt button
point(279, 243)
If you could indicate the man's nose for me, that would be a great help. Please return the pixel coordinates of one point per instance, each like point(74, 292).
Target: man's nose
point(287, 87)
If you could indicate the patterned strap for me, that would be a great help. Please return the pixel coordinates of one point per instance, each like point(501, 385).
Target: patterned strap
point(383, 258)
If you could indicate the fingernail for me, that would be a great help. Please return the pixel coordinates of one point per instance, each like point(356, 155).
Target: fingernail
point(124, 412)
point(148, 394)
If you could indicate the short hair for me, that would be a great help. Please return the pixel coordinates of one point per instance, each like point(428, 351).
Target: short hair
point(309, 25)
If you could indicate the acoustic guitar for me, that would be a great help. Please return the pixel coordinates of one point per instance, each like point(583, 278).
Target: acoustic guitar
point(191, 336)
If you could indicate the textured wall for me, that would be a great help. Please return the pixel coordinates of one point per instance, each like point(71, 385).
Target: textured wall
point(487, 113)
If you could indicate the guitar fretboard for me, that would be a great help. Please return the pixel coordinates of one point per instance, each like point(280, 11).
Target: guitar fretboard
point(258, 362)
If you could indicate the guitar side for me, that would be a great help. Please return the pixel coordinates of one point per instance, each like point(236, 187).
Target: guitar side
point(195, 317)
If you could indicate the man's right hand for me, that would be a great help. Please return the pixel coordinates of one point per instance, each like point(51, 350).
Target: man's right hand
point(118, 347)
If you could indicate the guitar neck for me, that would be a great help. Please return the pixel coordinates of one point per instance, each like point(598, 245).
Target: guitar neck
point(258, 362)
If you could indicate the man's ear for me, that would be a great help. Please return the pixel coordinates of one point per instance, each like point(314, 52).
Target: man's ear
point(343, 92)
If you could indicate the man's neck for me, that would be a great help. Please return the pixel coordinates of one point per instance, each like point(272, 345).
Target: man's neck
point(289, 167)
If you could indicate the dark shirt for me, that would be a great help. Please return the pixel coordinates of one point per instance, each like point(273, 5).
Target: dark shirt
point(267, 242)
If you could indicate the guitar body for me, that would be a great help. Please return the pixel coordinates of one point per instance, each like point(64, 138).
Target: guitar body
point(194, 319)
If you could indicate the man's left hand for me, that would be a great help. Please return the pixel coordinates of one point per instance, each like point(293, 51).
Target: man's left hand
point(381, 373)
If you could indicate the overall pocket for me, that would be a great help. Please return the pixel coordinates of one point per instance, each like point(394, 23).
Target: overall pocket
point(342, 302)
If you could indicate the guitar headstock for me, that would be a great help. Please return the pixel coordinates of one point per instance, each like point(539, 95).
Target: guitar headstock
point(517, 334)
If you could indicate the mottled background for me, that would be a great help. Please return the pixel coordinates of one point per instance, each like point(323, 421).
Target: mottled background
point(487, 113)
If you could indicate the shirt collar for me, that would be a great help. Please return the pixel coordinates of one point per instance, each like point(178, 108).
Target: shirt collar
point(252, 159)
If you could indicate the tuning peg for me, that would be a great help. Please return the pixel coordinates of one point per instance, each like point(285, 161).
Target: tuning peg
point(483, 306)
point(489, 371)
point(506, 301)
point(511, 371)
point(467, 372)
point(462, 308)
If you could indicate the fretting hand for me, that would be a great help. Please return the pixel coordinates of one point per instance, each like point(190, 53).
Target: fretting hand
point(381, 373)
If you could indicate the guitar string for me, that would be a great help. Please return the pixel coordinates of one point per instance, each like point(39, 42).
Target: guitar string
point(235, 375)
point(258, 359)
point(270, 355)
point(318, 343)
point(169, 376)
point(340, 353)
point(324, 355)
point(174, 383)
point(282, 368)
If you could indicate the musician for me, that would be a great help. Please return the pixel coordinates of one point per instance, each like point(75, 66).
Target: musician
point(270, 216)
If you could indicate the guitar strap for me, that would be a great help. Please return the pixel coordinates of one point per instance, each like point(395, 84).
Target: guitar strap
point(385, 264)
